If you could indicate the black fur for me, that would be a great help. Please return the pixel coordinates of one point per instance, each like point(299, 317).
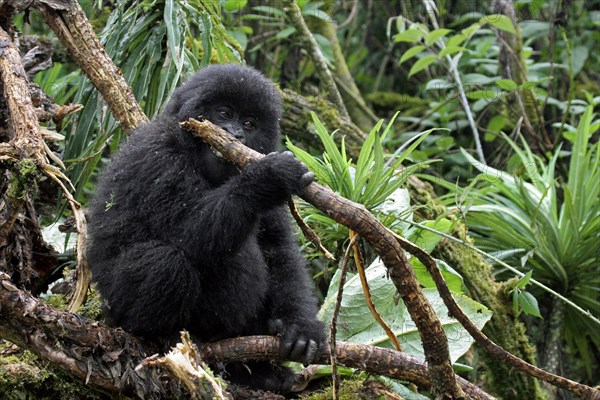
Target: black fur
point(181, 239)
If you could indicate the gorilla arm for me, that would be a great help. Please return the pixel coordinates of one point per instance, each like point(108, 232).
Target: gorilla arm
point(294, 307)
point(216, 221)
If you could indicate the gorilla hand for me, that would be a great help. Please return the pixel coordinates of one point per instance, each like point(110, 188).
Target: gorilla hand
point(277, 176)
point(301, 341)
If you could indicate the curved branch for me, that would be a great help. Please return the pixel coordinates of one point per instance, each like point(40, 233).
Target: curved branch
point(498, 352)
point(71, 26)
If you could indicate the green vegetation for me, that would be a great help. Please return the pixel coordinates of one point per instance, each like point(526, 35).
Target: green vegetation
point(495, 107)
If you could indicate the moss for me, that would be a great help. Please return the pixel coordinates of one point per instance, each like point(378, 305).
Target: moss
point(349, 390)
point(92, 308)
point(56, 300)
point(24, 376)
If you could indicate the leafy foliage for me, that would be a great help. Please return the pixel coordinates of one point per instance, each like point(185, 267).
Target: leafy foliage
point(538, 221)
point(356, 324)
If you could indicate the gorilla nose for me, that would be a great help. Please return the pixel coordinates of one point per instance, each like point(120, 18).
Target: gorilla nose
point(237, 132)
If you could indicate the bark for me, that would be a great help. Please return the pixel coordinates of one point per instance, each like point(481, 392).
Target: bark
point(551, 356)
point(513, 65)
point(22, 249)
point(297, 118)
point(109, 358)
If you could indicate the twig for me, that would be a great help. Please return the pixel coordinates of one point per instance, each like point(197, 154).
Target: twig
point(360, 268)
point(498, 352)
point(338, 208)
point(82, 269)
point(336, 312)
point(294, 15)
point(453, 66)
point(74, 344)
point(350, 16)
point(71, 26)
point(308, 232)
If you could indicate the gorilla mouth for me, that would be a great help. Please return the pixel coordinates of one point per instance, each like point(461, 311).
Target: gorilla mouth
point(216, 152)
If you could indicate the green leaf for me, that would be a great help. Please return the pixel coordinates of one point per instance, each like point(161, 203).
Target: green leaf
point(450, 50)
point(482, 94)
point(234, 5)
point(356, 324)
point(456, 40)
point(471, 29)
point(497, 123)
point(285, 33)
point(410, 53)
point(524, 280)
point(507, 84)
point(428, 240)
point(453, 279)
point(529, 304)
point(422, 64)
point(435, 35)
point(411, 36)
point(499, 21)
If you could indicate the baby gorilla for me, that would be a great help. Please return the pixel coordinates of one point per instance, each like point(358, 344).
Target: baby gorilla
point(182, 239)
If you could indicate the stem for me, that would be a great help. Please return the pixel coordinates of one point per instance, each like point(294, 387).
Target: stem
point(360, 268)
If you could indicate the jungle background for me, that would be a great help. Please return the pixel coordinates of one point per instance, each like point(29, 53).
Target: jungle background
point(489, 106)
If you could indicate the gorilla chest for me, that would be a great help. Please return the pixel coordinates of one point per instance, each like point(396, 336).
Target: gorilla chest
point(240, 285)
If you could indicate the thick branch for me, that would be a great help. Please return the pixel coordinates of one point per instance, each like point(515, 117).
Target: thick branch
point(356, 217)
point(25, 128)
point(496, 351)
point(69, 23)
point(107, 357)
point(92, 352)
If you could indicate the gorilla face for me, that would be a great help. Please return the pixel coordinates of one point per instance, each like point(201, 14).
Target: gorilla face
point(244, 126)
point(238, 99)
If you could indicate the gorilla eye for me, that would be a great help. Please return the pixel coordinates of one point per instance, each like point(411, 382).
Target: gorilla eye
point(248, 124)
point(224, 113)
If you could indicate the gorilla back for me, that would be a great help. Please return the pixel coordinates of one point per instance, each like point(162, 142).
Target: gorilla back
point(181, 239)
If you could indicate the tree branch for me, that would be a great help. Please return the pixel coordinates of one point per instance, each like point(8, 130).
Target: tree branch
point(294, 15)
point(356, 217)
point(71, 26)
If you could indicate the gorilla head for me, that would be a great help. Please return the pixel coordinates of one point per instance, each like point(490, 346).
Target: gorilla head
point(238, 99)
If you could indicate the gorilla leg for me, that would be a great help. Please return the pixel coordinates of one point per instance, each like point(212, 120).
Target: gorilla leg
point(261, 375)
point(150, 288)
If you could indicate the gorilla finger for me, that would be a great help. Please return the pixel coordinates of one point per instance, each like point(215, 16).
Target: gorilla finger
point(275, 326)
point(298, 350)
point(312, 351)
point(272, 154)
point(308, 178)
point(287, 343)
point(288, 153)
point(285, 349)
